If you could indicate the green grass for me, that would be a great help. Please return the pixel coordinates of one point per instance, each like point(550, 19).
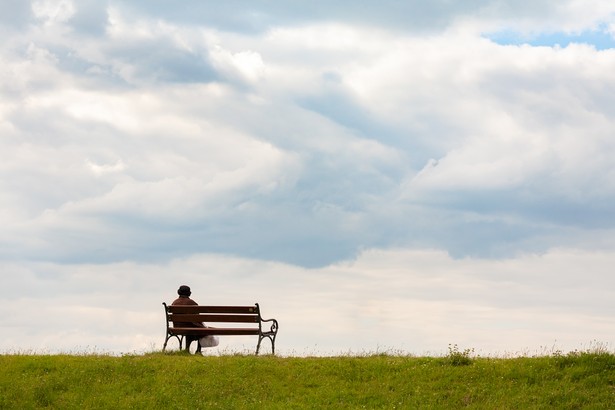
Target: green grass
point(381, 381)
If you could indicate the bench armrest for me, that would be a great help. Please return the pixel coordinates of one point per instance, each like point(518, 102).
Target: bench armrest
point(274, 326)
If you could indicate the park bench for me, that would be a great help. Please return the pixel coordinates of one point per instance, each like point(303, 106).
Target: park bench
point(245, 320)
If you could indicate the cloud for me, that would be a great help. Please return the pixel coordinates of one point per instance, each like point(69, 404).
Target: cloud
point(244, 65)
point(302, 139)
point(20, 13)
point(408, 16)
point(418, 301)
point(354, 138)
point(53, 11)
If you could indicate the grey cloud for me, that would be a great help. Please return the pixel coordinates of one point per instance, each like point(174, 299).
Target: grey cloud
point(339, 106)
point(135, 62)
point(157, 61)
point(313, 224)
point(324, 227)
point(96, 57)
point(90, 18)
point(258, 16)
point(15, 13)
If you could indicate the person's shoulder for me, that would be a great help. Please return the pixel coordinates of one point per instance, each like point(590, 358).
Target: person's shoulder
point(184, 301)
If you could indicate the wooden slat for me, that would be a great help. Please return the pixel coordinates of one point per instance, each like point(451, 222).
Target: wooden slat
point(212, 309)
point(220, 331)
point(184, 317)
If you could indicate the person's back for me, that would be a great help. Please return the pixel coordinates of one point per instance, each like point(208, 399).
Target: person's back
point(184, 300)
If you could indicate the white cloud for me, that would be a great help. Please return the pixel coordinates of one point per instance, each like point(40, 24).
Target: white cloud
point(101, 169)
point(498, 115)
point(247, 65)
point(53, 11)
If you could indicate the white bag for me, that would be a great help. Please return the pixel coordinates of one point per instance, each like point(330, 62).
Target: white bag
point(209, 341)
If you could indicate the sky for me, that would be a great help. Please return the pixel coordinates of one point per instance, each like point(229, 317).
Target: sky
point(378, 175)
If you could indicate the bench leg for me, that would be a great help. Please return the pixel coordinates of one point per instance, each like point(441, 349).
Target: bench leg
point(260, 339)
point(166, 341)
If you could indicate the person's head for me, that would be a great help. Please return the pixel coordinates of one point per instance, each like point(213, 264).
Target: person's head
point(184, 291)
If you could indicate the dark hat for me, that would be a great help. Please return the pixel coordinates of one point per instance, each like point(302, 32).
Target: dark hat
point(184, 290)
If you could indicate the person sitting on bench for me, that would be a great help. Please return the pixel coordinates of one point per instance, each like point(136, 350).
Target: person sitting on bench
point(184, 293)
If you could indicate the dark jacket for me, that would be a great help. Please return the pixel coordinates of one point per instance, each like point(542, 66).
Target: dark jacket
point(186, 301)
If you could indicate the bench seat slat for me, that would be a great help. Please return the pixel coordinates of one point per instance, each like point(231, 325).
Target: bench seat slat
point(212, 309)
point(181, 317)
point(221, 331)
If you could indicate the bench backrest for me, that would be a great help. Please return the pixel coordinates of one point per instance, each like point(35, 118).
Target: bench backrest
point(213, 314)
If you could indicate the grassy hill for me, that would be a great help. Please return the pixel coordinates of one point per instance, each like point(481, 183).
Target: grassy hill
point(380, 381)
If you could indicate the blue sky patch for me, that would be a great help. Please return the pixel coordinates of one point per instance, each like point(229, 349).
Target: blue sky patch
point(600, 38)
